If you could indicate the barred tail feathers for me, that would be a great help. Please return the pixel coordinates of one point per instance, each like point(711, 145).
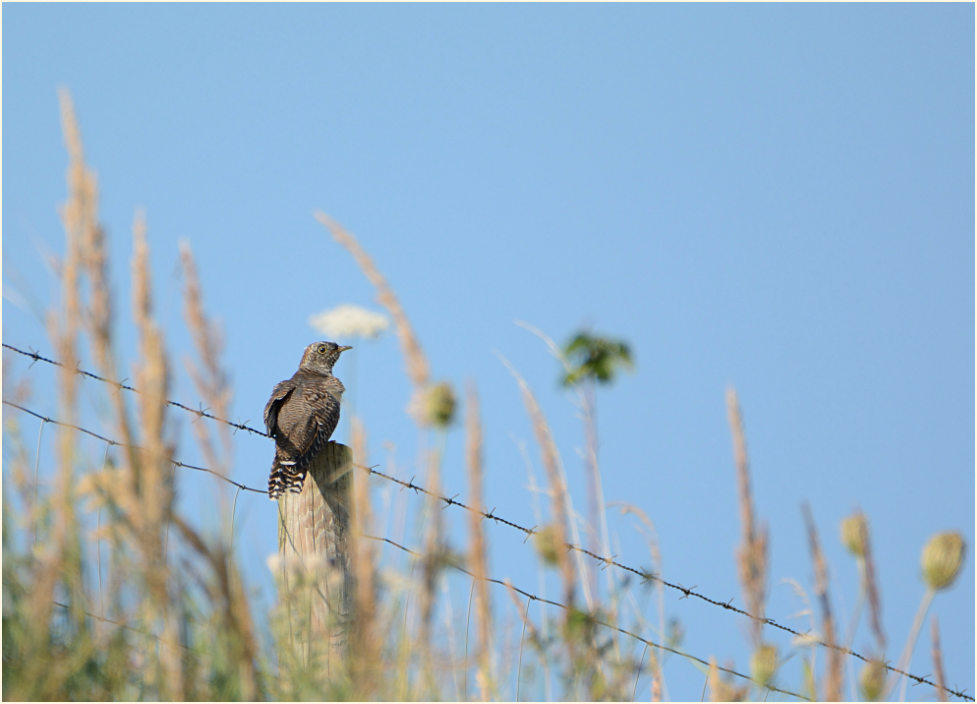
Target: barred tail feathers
point(286, 475)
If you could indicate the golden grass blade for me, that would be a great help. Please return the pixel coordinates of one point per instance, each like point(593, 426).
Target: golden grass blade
point(558, 488)
point(833, 678)
point(477, 555)
point(752, 553)
point(153, 478)
point(209, 377)
point(417, 366)
point(365, 639)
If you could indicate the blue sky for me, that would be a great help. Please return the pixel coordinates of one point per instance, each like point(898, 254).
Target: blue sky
point(775, 197)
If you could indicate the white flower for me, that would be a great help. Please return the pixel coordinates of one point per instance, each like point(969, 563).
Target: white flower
point(295, 564)
point(806, 640)
point(347, 321)
point(274, 562)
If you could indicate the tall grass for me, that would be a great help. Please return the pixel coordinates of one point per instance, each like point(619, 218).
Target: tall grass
point(112, 591)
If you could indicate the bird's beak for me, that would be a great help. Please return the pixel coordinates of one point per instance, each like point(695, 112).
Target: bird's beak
point(343, 348)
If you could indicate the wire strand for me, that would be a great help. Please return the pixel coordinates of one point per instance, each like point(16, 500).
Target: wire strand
point(116, 443)
point(176, 404)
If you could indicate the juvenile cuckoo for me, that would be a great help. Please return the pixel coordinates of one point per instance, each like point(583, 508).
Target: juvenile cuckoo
point(301, 415)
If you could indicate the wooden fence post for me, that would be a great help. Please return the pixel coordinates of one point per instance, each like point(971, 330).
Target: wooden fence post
point(313, 547)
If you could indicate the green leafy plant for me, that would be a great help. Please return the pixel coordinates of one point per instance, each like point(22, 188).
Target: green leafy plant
point(595, 358)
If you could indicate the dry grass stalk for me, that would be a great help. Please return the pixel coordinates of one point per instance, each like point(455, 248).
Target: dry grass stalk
point(417, 366)
point(211, 384)
point(79, 217)
point(477, 556)
point(720, 690)
point(226, 591)
point(595, 497)
point(657, 681)
point(587, 406)
point(365, 638)
point(20, 461)
point(82, 210)
point(432, 561)
point(583, 661)
point(241, 628)
point(752, 554)
point(434, 550)
point(209, 378)
point(78, 214)
point(656, 677)
point(57, 560)
point(833, 681)
point(85, 252)
point(938, 661)
point(597, 516)
point(558, 488)
point(530, 627)
point(153, 473)
point(872, 593)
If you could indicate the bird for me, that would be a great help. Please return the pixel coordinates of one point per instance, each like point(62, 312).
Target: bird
point(301, 415)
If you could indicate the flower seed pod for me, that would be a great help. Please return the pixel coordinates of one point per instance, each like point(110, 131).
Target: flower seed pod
point(942, 558)
point(763, 664)
point(854, 534)
point(434, 406)
point(872, 680)
point(548, 545)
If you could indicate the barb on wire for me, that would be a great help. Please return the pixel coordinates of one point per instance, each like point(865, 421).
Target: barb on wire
point(116, 443)
point(176, 404)
point(606, 624)
point(451, 501)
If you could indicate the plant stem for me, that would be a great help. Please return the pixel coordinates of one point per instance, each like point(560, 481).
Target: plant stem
point(924, 606)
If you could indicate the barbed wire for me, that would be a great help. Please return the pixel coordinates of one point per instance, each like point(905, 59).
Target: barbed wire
point(116, 443)
point(613, 626)
point(121, 385)
point(120, 624)
point(645, 575)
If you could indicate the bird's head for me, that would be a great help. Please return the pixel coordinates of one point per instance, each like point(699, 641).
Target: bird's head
point(320, 356)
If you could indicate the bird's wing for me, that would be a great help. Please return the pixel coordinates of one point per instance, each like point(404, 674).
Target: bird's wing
point(307, 421)
point(279, 396)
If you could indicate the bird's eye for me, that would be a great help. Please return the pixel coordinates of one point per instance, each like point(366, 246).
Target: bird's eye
point(321, 349)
